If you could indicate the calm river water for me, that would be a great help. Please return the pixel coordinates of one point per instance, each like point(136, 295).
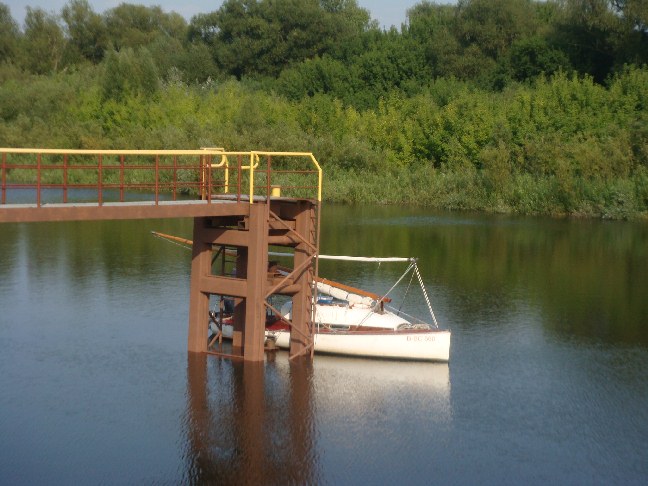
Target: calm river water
point(547, 383)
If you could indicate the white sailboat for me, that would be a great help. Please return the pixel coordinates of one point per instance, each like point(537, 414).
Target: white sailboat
point(354, 322)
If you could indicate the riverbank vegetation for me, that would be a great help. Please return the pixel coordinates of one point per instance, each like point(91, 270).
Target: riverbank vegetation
point(499, 105)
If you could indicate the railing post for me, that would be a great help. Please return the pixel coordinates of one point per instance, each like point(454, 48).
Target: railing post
point(38, 180)
point(251, 177)
point(121, 178)
point(4, 178)
point(209, 181)
point(201, 169)
point(175, 175)
point(268, 180)
point(238, 178)
point(157, 179)
point(226, 174)
point(100, 181)
point(65, 177)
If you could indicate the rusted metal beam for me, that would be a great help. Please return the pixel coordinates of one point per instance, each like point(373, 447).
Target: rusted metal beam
point(283, 240)
point(217, 285)
point(227, 237)
point(284, 224)
point(275, 224)
point(295, 274)
point(300, 236)
point(117, 211)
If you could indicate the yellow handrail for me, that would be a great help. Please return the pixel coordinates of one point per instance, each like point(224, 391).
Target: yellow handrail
point(224, 162)
point(255, 158)
point(42, 151)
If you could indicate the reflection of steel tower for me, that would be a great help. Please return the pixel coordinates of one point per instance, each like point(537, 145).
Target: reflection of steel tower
point(242, 432)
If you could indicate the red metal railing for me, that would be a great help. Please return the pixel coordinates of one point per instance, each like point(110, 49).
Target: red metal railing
point(149, 175)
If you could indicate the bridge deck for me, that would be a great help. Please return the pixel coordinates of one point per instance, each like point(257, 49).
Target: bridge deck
point(218, 206)
point(29, 213)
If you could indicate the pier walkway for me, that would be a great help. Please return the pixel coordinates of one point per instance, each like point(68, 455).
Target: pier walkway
point(241, 203)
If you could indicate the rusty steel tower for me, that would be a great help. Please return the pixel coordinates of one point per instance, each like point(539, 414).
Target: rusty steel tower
point(241, 203)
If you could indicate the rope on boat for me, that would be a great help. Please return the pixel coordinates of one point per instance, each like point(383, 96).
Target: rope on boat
point(412, 265)
point(409, 285)
point(427, 300)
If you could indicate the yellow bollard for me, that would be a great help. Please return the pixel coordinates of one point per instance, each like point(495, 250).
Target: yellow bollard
point(276, 191)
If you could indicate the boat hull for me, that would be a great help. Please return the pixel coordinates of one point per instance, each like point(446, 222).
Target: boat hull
point(415, 345)
point(405, 345)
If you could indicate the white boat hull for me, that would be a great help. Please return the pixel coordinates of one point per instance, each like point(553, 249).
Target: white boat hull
point(408, 345)
point(417, 345)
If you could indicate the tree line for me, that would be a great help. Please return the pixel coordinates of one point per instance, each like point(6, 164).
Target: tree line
point(503, 105)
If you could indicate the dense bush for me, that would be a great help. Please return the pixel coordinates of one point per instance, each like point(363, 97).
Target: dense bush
point(482, 105)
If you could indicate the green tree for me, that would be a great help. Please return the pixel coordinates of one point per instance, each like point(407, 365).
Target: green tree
point(590, 33)
point(43, 41)
point(129, 73)
point(389, 62)
point(321, 75)
point(433, 28)
point(9, 35)
point(136, 26)
point(348, 23)
point(468, 40)
point(533, 56)
point(634, 37)
point(634, 12)
point(86, 31)
point(494, 25)
point(196, 63)
point(261, 37)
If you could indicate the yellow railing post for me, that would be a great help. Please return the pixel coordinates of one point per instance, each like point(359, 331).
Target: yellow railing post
point(251, 177)
point(225, 161)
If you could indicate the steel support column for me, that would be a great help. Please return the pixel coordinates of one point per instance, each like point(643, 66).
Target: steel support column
point(302, 300)
point(257, 276)
point(199, 300)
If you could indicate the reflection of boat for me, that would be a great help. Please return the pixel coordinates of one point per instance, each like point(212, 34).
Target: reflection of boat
point(354, 322)
point(352, 386)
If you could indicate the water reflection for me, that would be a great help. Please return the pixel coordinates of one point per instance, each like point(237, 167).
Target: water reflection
point(247, 423)
point(357, 386)
point(382, 421)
